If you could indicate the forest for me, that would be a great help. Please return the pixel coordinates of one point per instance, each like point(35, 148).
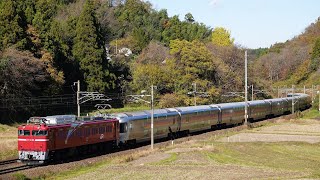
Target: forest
point(120, 47)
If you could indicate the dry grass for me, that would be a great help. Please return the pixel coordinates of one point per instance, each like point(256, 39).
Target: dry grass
point(9, 142)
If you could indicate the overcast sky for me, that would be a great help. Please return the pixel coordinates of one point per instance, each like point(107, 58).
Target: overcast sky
point(253, 23)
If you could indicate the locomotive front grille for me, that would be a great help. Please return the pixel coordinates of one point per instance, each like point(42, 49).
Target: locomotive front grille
point(33, 155)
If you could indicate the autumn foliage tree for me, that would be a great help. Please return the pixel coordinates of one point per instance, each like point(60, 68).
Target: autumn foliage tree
point(22, 74)
point(315, 55)
point(221, 37)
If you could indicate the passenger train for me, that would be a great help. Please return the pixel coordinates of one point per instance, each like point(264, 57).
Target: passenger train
point(135, 126)
point(59, 137)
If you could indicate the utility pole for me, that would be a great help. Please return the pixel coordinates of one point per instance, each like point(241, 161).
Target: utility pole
point(152, 112)
point(246, 91)
point(137, 98)
point(252, 92)
point(195, 92)
point(304, 89)
point(116, 46)
point(278, 92)
point(78, 97)
point(319, 100)
point(292, 99)
point(312, 94)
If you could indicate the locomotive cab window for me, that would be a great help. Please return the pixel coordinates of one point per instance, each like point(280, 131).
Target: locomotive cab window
point(123, 127)
point(39, 133)
point(24, 133)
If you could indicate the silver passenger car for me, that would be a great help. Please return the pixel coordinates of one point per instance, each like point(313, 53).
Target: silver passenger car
point(136, 126)
point(197, 118)
point(259, 109)
point(231, 113)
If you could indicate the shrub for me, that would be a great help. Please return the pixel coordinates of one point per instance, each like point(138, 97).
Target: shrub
point(170, 100)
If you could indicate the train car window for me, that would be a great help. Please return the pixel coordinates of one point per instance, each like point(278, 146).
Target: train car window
point(123, 127)
point(39, 133)
point(173, 120)
point(26, 132)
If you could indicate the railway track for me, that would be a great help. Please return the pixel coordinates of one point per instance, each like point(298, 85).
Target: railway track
point(8, 162)
point(12, 165)
point(14, 169)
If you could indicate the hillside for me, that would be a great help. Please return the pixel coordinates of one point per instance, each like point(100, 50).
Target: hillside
point(113, 47)
point(295, 62)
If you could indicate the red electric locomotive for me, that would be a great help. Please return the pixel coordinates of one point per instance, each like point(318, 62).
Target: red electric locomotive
point(57, 137)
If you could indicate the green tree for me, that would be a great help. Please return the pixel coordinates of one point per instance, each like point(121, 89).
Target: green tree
point(89, 50)
point(172, 30)
point(194, 57)
point(12, 26)
point(192, 62)
point(42, 21)
point(189, 18)
point(145, 75)
point(29, 9)
point(221, 37)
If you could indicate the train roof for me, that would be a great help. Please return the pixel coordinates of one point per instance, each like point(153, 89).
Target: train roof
point(192, 109)
point(145, 114)
point(257, 102)
point(44, 125)
point(233, 104)
point(60, 119)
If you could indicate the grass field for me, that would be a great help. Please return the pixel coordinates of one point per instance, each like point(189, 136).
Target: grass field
point(310, 114)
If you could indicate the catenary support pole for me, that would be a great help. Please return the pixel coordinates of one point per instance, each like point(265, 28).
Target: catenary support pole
point(246, 91)
point(252, 92)
point(292, 99)
point(195, 93)
point(152, 113)
point(78, 97)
